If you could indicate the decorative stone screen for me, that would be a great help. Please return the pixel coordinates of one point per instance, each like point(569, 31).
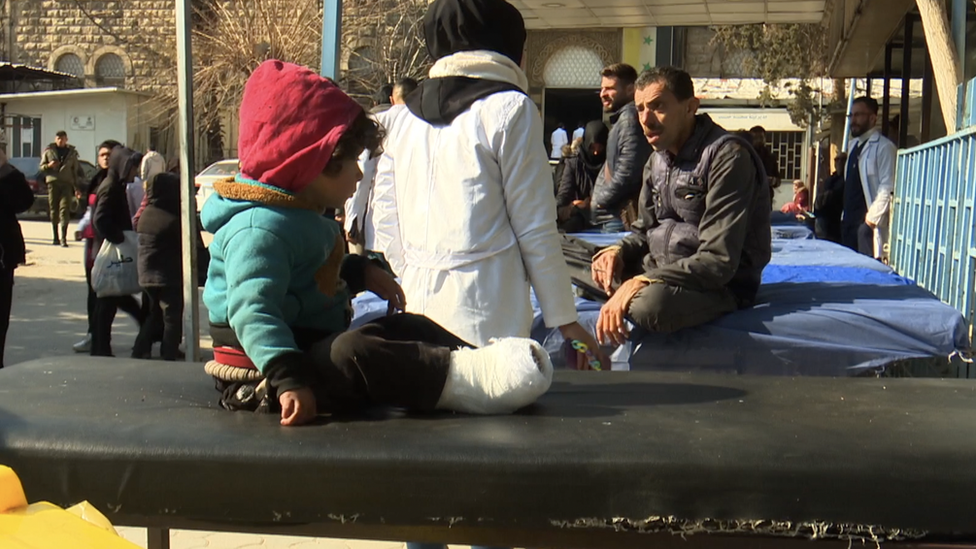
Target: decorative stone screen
point(573, 67)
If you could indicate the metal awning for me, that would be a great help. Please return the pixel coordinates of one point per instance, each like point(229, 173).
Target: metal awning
point(12, 72)
point(559, 14)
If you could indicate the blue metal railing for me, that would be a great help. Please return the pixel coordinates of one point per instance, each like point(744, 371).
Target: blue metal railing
point(933, 231)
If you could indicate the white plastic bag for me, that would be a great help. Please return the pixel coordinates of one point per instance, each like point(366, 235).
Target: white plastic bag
point(116, 272)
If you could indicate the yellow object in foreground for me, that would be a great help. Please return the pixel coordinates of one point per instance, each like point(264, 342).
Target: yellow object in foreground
point(46, 526)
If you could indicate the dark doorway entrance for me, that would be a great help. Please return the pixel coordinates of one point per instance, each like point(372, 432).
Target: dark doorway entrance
point(570, 106)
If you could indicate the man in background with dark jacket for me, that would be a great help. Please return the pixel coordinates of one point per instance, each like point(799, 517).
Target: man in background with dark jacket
point(627, 150)
point(383, 99)
point(703, 237)
point(15, 197)
point(829, 205)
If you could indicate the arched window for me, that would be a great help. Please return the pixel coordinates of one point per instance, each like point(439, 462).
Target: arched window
point(110, 70)
point(71, 64)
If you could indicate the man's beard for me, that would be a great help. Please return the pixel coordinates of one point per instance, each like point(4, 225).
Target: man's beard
point(615, 105)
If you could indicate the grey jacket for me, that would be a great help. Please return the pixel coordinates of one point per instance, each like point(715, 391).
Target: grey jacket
point(627, 152)
point(704, 216)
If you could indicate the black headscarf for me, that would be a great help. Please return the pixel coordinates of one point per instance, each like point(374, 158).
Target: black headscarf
point(120, 165)
point(163, 191)
point(453, 26)
point(595, 132)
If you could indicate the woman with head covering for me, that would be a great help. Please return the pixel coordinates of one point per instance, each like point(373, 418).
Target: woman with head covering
point(473, 184)
point(161, 267)
point(579, 176)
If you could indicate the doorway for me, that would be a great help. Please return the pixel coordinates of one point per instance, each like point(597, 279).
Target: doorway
point(570, 106)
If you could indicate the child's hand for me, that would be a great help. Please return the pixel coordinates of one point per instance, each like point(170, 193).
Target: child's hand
point(384, 285)
point(297, 407)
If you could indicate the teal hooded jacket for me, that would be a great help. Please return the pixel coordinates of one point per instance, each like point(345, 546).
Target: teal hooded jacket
point(275, 267)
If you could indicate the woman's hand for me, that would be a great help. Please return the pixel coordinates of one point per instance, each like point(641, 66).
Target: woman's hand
point(577, 332)
point(385, 286)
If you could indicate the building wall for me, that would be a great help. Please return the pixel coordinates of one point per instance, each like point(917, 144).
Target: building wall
point(140, 32)
point(541, 45)
point(112, 116)
point(705, 59)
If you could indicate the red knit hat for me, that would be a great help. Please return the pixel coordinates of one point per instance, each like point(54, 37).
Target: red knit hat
point(291, 120)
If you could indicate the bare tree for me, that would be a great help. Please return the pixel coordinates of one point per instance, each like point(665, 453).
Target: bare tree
point(783, 51)
point(383, 42)
point(232, 38)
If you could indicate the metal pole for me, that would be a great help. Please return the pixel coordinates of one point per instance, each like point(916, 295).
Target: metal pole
point(188, 209)
point(927, 91)
point(852, 90)
point(959, 8)
point(906, 80)
point(331, 37)
point(886, 101)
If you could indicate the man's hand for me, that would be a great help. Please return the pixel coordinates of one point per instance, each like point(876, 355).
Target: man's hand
point(297, 407)
point(385, 286)
point(582, 204)
point(611, 327)
point(607, 267)
point(871, 224)
point(579, 333)
point(53, 165)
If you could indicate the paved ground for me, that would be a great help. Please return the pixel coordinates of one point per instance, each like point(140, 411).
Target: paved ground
point(49, 316)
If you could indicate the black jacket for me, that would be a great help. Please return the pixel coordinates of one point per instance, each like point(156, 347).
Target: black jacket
point(829, 207)
point(91, 186)
point(576, 182)
point(15, 197)
point(160, 245)
point(704, 216)
point(111, 215)
point(627, 152)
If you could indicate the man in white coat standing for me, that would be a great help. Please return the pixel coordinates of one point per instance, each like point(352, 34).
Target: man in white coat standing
point(474, 198)
point(559, 139)
point(580, 130)
point(370, 209)
point(869, 182)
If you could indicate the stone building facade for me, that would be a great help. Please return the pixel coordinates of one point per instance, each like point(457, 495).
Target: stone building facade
point(127, 44)
point(122, 43)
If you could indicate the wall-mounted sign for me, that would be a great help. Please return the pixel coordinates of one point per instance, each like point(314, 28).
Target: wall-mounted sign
point(82, 122)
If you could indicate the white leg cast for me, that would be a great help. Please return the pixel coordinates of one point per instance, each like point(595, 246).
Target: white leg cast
point(508, 374)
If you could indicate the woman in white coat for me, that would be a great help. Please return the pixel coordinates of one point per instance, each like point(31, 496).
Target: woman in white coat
point(474, 201)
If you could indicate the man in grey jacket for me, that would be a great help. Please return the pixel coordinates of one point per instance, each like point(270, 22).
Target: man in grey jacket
point(703, 236)
point(627, 149)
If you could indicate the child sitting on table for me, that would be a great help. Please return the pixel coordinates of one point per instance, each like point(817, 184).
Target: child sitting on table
point(279, 285)
point(801, 200)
